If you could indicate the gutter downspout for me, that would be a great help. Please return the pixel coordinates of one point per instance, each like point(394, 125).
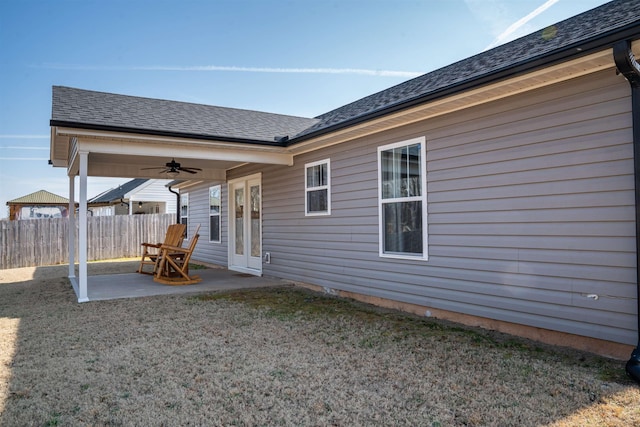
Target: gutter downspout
point(630, 69)
point(177, 203)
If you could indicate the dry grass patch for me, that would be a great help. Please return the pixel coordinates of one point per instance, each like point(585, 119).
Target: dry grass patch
point(285, 356)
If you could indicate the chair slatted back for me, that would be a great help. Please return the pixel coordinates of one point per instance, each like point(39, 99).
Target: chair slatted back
point(191, 248)
point(175, 235)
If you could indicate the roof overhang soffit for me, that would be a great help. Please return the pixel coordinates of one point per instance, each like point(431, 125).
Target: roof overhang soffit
point(115, 150)
point(584, 65)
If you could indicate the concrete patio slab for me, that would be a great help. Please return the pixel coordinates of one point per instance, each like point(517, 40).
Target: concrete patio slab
point(131, 285)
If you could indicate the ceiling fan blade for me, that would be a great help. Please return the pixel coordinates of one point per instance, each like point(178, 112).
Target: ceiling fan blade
point(190, 170)
point(173, 167)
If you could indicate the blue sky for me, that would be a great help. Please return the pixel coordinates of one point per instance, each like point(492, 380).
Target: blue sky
point(298, 57)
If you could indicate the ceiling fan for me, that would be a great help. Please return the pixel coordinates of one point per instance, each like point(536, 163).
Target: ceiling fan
point(173, 168)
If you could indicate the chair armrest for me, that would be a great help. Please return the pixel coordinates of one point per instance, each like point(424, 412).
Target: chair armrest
point(173, 248)
point(151, 245)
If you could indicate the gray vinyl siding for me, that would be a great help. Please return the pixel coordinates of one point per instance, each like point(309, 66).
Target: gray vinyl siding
point(207, 251)
point(530, 210)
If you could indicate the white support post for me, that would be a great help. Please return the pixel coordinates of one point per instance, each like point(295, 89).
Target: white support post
point(82, 239)
point(72, 227)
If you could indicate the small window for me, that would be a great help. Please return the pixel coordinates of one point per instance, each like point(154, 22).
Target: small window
point(317, 182)
point(403, 199)
point(214, 213)
point(184, 212)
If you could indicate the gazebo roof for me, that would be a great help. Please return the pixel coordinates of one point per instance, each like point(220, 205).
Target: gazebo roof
point(41, 197)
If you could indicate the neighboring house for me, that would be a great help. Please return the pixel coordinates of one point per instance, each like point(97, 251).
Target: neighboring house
point(38, 205)
point(497, 191)
point(138, 196)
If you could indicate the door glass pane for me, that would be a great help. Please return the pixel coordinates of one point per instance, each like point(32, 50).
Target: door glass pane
point(239, 225)
point(255, 221)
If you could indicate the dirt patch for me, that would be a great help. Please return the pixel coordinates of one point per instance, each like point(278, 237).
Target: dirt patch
point(280, 356)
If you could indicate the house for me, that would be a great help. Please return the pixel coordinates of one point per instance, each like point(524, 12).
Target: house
point(38, 205)
point(497, 191)
point(138, 196)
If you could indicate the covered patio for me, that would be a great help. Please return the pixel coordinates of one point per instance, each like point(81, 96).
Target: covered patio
point(132, 285)
point(106, 135)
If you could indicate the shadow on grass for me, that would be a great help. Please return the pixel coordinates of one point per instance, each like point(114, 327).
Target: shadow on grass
point(184, 358)
point(28, 274)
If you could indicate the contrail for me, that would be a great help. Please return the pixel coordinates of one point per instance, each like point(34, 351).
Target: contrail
point(25, 148)
point(24, 136)
point(519, 23)
point(357, 71)
point(24, 158)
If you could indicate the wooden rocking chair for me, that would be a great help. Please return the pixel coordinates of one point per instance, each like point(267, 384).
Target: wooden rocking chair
point(151, 251)
point(173, 264)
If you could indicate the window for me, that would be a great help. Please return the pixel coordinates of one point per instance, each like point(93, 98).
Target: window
point(403, 199)
point(214, 213)
point(317, 183)
point(184, 212)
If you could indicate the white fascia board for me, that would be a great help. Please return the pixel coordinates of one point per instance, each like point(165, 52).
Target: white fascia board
point(588, 64)
point(148, 145)
point(52, 142)
point(73, 166)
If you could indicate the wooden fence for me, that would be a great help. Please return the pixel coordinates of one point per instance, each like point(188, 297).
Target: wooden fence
point(30, 243)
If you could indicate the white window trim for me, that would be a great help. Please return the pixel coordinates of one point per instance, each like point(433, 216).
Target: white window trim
point(219, 215)
point(423, 198)
point(322, 187)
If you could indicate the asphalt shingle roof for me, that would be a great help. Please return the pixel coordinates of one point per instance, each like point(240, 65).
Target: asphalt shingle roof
point(84, 107)
point(118, 192)
point(594, 29)
point(41, 197)
point(573, 33)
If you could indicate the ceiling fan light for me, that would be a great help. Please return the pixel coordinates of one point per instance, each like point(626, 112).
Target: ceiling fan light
point(172, 174)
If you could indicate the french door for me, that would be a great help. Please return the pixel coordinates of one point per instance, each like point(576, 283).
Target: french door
point(245, 224)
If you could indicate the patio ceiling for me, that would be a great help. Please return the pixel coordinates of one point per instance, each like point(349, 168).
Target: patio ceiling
point(111, 153)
